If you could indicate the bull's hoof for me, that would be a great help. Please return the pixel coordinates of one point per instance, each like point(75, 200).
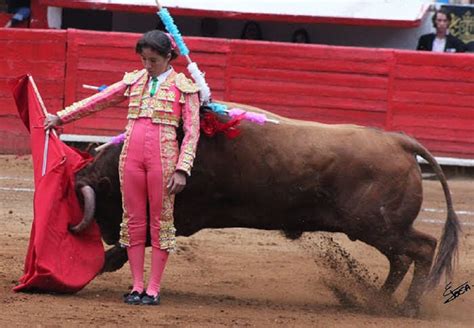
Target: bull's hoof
point(291, 234)
point(410, 309)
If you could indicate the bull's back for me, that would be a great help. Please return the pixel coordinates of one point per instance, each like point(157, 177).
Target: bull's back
point(294, 147)
point(273, 160)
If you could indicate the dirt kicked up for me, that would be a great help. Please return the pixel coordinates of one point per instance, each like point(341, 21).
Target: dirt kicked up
point(240, 277)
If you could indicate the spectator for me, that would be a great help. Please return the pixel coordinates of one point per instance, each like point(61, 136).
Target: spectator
point(441, 41)
point(21, 11)
point(300, 36)
point(251, 31)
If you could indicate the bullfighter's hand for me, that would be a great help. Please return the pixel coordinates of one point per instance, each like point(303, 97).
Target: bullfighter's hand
point(51, 121)
point(177, 182)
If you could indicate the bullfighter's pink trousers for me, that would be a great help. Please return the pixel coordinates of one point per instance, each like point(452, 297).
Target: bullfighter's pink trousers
point(143, 180)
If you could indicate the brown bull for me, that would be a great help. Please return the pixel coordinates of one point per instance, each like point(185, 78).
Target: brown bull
point(300, 176)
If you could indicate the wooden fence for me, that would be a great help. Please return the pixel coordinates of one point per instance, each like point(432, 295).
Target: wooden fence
point(429, 96)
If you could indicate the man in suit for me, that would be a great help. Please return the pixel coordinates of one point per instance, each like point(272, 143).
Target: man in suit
point(441, 41)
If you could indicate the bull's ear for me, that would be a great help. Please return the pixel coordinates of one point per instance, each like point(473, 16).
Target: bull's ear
point(105, 186)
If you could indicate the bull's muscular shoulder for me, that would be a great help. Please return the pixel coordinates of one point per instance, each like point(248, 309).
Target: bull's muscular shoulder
point(132, 77)
point(185, 85)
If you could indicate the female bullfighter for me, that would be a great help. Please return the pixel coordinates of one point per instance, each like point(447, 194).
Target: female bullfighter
point(152, 167)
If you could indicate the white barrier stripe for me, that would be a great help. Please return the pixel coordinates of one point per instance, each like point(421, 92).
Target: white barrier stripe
point(437, 210)
point(470, 224)
point(84, 138)
point(17, 189)
point(15, 178)
point(449, 161)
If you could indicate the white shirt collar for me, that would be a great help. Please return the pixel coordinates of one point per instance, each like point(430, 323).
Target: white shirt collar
point(438, 45)
point(161, 78)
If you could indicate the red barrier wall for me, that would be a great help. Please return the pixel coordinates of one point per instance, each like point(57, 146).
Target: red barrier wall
point(321, 83)
point(43, 55)
point(432, 99)
point(427, 95)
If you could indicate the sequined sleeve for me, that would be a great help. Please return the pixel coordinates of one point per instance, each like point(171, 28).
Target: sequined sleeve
point(190, 115)
point(112, 95)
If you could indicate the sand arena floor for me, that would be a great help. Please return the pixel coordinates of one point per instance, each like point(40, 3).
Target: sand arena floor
point(239, 277)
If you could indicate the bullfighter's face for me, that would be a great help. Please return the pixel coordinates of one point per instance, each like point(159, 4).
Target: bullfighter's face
point(154, 63)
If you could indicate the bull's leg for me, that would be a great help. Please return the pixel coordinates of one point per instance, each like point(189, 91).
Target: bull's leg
point(399, 265)
point(421, 248)
point(115, 258)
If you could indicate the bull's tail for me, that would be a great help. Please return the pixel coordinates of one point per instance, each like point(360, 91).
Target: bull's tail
point(448, 246)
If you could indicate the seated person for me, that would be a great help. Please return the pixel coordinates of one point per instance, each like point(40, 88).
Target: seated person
point(251, 31)
point(300, 36)
point(441, 41)
point(21, 11)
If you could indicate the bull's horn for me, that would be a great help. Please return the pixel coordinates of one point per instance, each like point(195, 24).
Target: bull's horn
point(89, 209)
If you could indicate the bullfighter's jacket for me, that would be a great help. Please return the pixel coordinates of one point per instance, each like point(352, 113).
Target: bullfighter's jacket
point(176, 99)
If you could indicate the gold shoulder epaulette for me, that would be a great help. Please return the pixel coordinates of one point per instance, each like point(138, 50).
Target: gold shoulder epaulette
point(132, 77)
point(186, 85)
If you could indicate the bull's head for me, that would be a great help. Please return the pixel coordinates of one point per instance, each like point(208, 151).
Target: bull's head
point(98, 188)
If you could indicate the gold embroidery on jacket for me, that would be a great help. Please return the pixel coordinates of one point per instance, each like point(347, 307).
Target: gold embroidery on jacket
point(130, 78)
point(136, 92)
point(165, 95)
point(159, 107)
point(185, 85)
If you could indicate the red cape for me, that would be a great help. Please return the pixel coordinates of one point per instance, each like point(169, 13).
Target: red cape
point(57, 260)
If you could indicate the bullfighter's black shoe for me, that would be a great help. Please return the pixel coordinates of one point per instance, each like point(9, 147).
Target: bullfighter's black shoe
point(151, 300)
point(134, 298)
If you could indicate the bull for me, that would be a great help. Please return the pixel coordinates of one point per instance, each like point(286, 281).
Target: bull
point(297, 177)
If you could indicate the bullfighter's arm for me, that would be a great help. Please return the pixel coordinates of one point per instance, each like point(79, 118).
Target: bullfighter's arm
point(112, 95)
point(190, 114)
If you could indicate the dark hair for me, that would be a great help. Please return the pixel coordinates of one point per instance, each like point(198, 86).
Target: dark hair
point(256, 29)
point(157, 41)
point(300, 32)
point(441, 11)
